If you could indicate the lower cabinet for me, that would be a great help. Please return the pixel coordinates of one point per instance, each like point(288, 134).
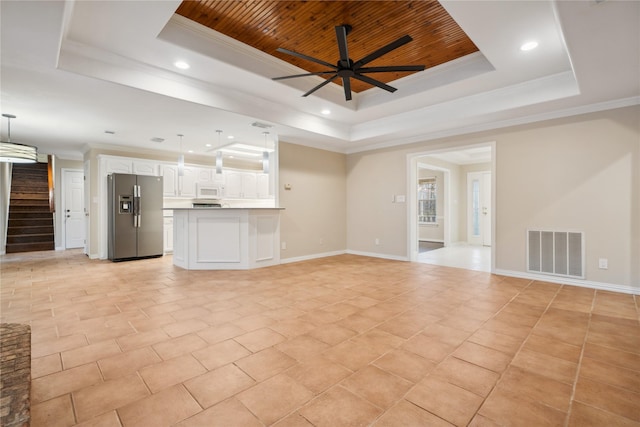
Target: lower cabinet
point(168, 234)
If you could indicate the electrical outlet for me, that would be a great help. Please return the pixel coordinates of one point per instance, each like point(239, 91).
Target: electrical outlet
point(603, 263)
point(283, 245)
point(321, 241)
point(377, 241)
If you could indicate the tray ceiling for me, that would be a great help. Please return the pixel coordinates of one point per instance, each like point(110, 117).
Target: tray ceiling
point(308, 28)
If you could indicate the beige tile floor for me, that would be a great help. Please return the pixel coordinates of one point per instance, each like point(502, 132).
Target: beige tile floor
point(340, 341)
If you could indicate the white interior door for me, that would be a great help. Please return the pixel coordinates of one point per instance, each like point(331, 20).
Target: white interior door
point(74, 218)
point(479, 208)
point(486, 209)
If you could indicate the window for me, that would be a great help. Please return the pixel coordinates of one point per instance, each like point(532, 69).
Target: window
point(427, 200)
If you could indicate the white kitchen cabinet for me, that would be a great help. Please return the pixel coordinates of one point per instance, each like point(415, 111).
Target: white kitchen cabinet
point(169, 180)
point(203, 176)
point(115, 165)
point(187, 182)
point(262, 186)
point(178, 186)
point(217, 178)
point(168, 234)
point(141, 167)
point(240, 185)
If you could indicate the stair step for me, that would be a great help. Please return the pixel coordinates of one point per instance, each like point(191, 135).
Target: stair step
point(29, 247)
point(29, 203)
point(30, 230)
point(30, 222)
point(28, 215)
point(20, 211)
point(30, 238)
point(36, 199)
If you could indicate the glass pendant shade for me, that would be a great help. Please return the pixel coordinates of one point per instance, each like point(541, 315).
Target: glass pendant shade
point(219, 162)
point(265, 161)
point(181, 165)
point(180, 158)
point(17, 153)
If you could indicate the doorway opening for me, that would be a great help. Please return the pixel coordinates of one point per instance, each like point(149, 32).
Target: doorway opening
point(450, 204)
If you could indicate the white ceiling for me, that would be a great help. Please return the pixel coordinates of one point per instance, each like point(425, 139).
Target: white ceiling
point(73, 69)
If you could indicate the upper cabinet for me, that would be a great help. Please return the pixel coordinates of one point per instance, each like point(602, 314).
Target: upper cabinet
point(240, 185)
point(143, 167)
point(235, 183)
point(263, 187)
point(134, 166)
point(203, 176)
point(179, 186)
point(118, 165)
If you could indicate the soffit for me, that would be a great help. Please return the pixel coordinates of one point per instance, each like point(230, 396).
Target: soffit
point(308, 28)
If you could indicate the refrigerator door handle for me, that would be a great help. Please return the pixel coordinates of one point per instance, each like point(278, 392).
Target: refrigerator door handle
point(136, 206)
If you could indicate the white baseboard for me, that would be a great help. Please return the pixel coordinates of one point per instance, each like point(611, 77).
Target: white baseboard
point(376, 255)
point(431, 240)
point(310, 257)
point(573, 282)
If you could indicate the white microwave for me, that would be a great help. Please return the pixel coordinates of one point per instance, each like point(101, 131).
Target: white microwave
point(208, 191)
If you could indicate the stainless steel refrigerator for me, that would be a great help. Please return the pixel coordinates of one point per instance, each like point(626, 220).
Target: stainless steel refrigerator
point(135, 216)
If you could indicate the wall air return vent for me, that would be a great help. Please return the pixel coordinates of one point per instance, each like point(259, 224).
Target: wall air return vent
point(560, 253)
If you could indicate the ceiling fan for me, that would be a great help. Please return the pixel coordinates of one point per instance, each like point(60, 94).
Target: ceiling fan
point(346, 68)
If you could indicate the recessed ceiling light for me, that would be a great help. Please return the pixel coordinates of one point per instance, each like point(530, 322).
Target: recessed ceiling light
point(182, 65)
point(529, 46)
point(207, 145)
point(157, 139)
point(230, 137)
point(190, 151)
point(326, 112)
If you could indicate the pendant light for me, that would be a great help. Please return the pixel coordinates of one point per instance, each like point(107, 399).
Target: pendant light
point(265, 155)
point(219, 155)
point(181, 158)
point(12, 152)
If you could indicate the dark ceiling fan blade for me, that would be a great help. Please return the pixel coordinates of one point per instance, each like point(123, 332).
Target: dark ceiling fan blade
point(308, 58)
point(326, 82)
point(304, 75)
point(375, 82)
point(383, 50)
point(341, 36)
point(391, 68)
point(346, 83)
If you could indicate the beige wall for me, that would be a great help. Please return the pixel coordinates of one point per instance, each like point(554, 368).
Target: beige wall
point(373, 178)
point(313, 221)
point(580, 172)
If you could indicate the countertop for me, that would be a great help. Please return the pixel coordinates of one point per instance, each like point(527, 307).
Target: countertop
point(218, 209)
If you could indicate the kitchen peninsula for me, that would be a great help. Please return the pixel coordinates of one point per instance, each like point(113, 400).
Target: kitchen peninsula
point(226, 238)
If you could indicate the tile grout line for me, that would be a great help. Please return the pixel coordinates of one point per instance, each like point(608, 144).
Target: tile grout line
point(501, 376)
point(577, 375)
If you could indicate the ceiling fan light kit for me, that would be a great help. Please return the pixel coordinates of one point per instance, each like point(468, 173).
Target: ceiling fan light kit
point(347, 69)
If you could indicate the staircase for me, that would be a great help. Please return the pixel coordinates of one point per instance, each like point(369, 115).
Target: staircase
point(30, 226)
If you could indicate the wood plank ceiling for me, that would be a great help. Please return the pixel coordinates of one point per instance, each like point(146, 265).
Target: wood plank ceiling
point(307, 27)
